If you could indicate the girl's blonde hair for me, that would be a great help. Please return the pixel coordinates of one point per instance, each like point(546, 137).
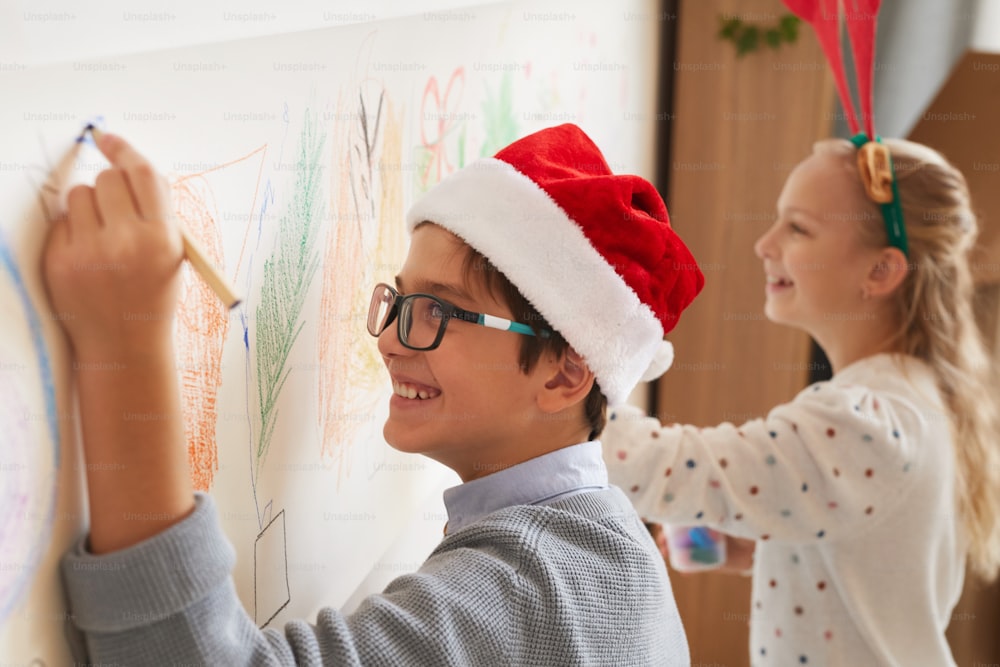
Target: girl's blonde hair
point(937, 324)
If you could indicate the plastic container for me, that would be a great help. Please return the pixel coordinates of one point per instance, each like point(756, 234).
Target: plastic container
point(695, 548)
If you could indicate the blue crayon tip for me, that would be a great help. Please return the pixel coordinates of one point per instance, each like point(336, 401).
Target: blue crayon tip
point(83, 134)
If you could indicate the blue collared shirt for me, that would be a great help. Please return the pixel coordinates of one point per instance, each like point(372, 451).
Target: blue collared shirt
point(538, 481)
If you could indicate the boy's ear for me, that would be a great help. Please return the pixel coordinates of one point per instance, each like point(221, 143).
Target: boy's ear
point(569, 382)
point(887, 274)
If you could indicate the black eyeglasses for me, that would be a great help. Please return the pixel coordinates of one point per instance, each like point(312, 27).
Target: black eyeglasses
point(422, 318)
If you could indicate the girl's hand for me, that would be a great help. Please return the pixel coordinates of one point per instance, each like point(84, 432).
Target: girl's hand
point(739, 555)
point(739, 552)
point(111, 265)
point(660, 538)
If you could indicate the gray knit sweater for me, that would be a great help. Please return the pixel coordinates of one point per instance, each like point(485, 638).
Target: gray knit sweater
point(577, 582)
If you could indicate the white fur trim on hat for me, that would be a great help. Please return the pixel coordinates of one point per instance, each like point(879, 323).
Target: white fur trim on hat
point(505, 215)
point(662, 359)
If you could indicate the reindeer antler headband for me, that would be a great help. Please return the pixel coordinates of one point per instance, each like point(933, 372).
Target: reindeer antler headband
point(874, 159)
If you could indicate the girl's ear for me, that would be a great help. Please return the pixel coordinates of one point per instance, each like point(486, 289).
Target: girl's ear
point(887, 273)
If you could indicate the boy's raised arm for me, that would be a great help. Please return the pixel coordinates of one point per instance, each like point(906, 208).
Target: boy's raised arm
point(111, 268)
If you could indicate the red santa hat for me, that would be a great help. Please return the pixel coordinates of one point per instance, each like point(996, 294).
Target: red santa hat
point(592, 251)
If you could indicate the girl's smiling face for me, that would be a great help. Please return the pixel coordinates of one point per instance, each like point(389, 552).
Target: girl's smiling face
point(814, 259)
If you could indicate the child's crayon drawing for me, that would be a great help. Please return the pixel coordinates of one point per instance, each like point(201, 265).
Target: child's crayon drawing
point(287, 276)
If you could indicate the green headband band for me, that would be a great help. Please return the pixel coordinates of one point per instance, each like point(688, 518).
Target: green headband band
point(892, 212)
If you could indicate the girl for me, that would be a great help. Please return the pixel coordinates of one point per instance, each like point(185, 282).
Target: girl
point(865, 493)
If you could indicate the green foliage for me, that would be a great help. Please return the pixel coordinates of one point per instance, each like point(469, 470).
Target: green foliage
point(748, 37)
point(500, 120)
point(287, 275)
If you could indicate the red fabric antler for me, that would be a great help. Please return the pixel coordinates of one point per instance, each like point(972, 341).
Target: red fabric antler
point(824, 17)
point(862, 16)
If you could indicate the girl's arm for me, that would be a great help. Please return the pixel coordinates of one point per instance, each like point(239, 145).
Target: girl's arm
point(824, 465)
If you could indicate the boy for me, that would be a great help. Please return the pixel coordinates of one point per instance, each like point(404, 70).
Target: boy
point(511, 307)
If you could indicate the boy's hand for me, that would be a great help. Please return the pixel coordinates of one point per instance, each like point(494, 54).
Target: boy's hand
point(111, 266)
point(111, 271)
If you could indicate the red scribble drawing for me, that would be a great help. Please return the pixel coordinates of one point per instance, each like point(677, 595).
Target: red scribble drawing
point(439, 119)
point(202, 322)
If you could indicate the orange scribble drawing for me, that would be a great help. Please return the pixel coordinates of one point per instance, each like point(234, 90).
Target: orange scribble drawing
point(367, 225)
point(202, 322)
point(201, 328)
point(338, 325)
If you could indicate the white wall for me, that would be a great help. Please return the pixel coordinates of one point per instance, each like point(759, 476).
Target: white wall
point(986, 31)
point(33, 32)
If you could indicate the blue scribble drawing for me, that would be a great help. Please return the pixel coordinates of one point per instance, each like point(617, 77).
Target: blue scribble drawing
point(25, 504)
